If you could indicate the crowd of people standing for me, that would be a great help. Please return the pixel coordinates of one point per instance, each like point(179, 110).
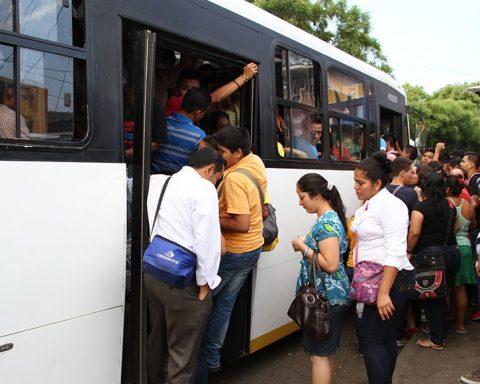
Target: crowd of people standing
point(406, 207)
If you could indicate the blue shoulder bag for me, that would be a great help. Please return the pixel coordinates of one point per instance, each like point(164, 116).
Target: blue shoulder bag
point(166, 260)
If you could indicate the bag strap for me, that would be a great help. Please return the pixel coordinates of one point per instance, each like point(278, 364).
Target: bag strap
point(396, 190)
point(160, 202)
point(314, 264)
point(355, 252)
point(252, 178)
point(451, 218)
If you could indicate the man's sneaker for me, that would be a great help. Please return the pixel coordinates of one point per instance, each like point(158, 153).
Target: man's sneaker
point(476, 315)
point(401, 343)
point(471, 378)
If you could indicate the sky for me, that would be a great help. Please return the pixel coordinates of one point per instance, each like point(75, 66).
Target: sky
point(430, 43)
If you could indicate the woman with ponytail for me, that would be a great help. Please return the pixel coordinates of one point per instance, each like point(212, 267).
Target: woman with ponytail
point(381, 225)
point(325, 243)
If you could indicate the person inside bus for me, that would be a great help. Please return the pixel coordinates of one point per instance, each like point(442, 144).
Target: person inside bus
point(177, 317)
point(302, 140)
point(392, 146)
point(283, 136)
point(8, 116)
point(159, 131)
point(217, 120)
point(325, 244)
point(316, 130)
point(190, 78)
point(183, 134)
point(231, 105)
point(241, 221)
point(167, 70)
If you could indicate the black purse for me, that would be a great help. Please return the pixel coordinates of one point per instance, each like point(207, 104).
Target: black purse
point(310, 309)
point(429, 263)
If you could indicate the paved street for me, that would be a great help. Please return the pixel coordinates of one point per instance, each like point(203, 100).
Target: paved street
point(285, 361)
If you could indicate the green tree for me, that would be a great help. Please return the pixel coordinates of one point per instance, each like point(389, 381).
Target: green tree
point(452, 115)
point(333, 21)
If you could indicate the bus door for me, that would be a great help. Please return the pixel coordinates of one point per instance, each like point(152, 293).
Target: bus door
point(391, 124)
point(138, 66)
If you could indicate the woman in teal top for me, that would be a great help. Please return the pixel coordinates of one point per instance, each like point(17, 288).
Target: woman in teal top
point(465, 274)
point(326, 242)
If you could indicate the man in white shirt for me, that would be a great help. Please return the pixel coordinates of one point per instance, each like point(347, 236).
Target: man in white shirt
point(188, 216)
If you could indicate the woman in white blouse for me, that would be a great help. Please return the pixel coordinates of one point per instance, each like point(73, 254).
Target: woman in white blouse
point(381, 225)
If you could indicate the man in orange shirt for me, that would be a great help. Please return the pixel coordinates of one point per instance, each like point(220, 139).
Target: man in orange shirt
point(241, 222)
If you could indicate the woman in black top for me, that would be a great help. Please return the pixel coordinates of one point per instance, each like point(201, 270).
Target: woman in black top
point(428, 228)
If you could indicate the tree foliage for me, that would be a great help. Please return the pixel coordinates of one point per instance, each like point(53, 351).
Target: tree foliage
point(333, 21)
point(451, 115)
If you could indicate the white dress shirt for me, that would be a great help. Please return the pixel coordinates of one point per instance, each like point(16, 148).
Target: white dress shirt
point(381, 226)
point(189, 216)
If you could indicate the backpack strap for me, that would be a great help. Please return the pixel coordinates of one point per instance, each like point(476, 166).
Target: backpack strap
point(252, 178)
point(396, 190)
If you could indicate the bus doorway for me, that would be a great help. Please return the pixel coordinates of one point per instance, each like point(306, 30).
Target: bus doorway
point(391, 124)
point(139, 64)
point(153, 63)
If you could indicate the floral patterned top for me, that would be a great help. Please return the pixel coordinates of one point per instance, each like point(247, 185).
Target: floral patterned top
point(337, 284)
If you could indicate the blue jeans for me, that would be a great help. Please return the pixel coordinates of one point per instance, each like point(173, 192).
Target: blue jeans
point(234, 270)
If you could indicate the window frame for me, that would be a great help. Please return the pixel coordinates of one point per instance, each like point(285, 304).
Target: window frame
point(342, 116)
point(18, 41)
point(286, 102)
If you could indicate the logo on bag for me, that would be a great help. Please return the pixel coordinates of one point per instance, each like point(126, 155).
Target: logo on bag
point(168, 256)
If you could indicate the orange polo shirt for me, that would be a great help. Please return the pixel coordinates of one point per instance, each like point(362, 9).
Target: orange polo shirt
point(240, 196)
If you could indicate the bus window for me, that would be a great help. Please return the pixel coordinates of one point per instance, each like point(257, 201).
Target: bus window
point(346, 94)
point(60, 21)
point(7, 15)
point(8, 98)
point(52, 96)
point(299, 125)
point(301, 79)
point(347, 140)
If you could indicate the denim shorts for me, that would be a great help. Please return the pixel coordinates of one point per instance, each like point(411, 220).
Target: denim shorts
point(330, 346)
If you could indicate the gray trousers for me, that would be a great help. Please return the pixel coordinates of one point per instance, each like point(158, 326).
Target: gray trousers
point(177, 323)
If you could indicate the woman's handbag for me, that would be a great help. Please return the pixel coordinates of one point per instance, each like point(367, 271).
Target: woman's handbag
point(429, 264)
point(430, 279)
point(310, 309)
point(366, 280)
point(367, 276)
point(166, 260)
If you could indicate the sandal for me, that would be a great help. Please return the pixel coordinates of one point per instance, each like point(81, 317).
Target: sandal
point(427, 343)
point(459, 330)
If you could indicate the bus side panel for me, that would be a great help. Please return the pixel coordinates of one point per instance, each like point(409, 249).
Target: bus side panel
point(292, 219)
point(62, 241)
point(274, 291)
point(78, 351)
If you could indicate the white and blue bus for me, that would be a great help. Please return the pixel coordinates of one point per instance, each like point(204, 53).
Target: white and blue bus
point(63, 226)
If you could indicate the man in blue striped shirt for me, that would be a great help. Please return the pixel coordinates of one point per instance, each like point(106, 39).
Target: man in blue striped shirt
point(183, 135)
